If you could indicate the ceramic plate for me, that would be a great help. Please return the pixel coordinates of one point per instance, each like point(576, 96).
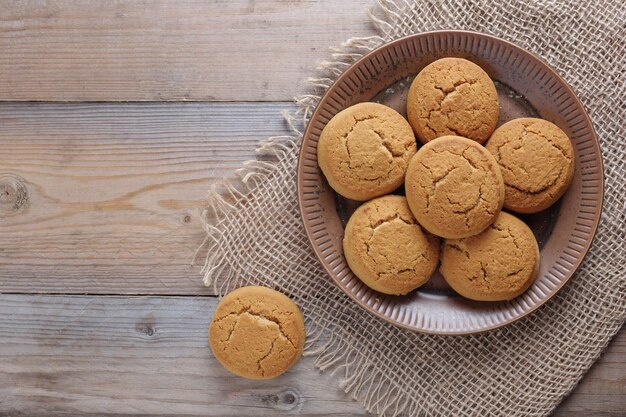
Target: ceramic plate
point(526, 87)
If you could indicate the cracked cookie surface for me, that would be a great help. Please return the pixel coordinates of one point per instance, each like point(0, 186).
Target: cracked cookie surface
point(454, 187)
point(257, 333)
point(537, 163)
point(498, 264)
point(386, 247)
point(452, 96)
point(364, 150)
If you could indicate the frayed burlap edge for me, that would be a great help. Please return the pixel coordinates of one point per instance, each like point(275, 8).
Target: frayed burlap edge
point(361, 378)
point(226, 195)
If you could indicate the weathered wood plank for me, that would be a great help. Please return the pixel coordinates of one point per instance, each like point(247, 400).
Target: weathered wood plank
point(111, 192)
point(83, 355)
point(236, 50)
point(63, 355)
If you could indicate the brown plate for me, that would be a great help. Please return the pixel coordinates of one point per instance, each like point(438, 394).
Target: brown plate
point(526, 87)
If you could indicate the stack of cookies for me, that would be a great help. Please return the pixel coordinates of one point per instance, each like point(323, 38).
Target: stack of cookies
point(455, 187)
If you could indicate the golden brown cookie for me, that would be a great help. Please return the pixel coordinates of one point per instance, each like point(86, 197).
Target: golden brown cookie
point(386, 247)
point(454, 187)
point(498, 264)
point(364, 150)
point(257, 333)
point(452, 96)
point(537, 163)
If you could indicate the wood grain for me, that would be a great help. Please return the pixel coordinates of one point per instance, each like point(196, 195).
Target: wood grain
point(105, 198)
point(70, 355)
point(142, 356)
point(235, 50)
point(102, 198)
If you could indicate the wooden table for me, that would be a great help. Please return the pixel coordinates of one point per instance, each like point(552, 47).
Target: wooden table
point(116, 118)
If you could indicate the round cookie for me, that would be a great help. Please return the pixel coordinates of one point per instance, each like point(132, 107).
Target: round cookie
point(386, 247)
point(364, 150)
point(452, 96)
point(498, 264)
point(257, 333)
point(537, 163)
point(454, 187)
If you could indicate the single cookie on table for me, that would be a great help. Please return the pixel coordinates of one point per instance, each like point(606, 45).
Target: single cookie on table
point(454, 187)
point(496, 265)
point(537, 163)
point(364, 150)
point(452, 96)
point(387, 248)
point(257, 333)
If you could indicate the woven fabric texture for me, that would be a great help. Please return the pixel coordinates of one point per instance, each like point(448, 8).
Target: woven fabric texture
point(524, 369)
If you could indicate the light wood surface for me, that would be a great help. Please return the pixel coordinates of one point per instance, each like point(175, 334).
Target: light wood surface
point(243, 50)
point(113, 191)
point(83, 355)
point(148, 356)
point(103, 198)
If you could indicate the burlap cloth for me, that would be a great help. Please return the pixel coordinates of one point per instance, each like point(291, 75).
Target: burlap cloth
point(524, 369)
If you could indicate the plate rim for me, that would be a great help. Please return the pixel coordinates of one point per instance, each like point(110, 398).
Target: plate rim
point(558, 288)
